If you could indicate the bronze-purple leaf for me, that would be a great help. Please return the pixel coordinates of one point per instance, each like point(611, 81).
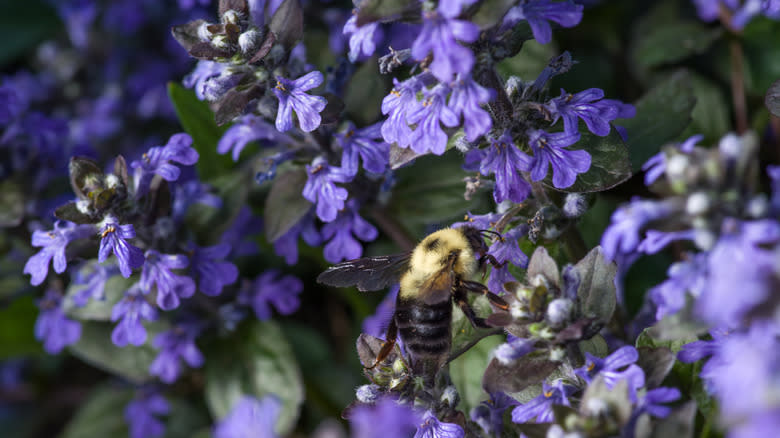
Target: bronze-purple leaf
point(237, 5)
point(187, 34)
point(268, 42)
point(204, 50)
point(234, 102)
point(287, 23)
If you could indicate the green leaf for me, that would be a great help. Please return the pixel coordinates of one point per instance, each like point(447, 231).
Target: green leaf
point(661, 115)
point(609, 165)
point(285, 204)
point(431, 191)
point(16, 328)
point(185, 419)
point(761, 46)
point(11, 204)
point(596, 293)
point(97, 310)
point(233, 189)
point(198, 120)
point(257, 361)
point(710, 116)
point(24, 25)
point(102, 415)
point(363, 97)
point(466, 371)
point(130, 362)
point(672, 42)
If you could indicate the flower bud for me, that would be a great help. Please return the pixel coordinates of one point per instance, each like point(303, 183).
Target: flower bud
point(367, 393)
point(249, 41)
point(574, 205)
point(231, 17)
point(450, 396)
point(559, 312)
point(697, 204)
point(204, 33)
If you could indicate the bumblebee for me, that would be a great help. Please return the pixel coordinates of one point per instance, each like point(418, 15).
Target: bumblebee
point(433, 276)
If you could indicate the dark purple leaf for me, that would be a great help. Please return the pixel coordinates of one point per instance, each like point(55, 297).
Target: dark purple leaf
point(204, 50)
point(234, 102)
point(187, 34)
point(522, 373)
point(237, 5)
point(287, 23)
point(268, 42)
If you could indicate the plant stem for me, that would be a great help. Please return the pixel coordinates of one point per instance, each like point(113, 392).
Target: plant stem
point(393, 228)
point(738, 85)
point(574, 244)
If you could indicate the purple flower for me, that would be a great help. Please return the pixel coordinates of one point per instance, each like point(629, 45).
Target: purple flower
point(623, 234)
point(506, 161)
point(157, 160)
point(610, 369)
point(709, 10)
point(586, 105)
point(655, 166)
point(141, 415)
point(53, 244)
point(175, 344)
point(190, 192)
point(215, 87)
point(78, 16)
point(366, 143)
point(433, 428)
point(655, 240)
point(452, 8)
point(541, 406)
point(287, 245)
point(429, 136)
point(653, 399)
point(114, 240)
point(465, 100)
point(752, 271)
point(506, 250)
point(197, 79)
point(386, 418)
point(751, 8)
point(132, 309)
point(549, 149)
point(250, 417)
point(687, 276)
point(320, 188)
point(270, 288)
point(292, 96)
point(513, 349)
point(342, 245)
point(479, 221)
point(490, 413)
point(212, 273)
point(52, 326)
point(94, 277)
point(243, 226)
point(363, 39)
point(401, 101)
point(249, 128)
point(539, 12)
point(170, 287)
point(440, 34)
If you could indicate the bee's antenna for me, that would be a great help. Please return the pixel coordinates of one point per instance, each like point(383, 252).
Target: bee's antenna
point(496, 233)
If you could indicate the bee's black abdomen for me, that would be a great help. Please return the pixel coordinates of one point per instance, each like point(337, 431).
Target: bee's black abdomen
point(425, 329)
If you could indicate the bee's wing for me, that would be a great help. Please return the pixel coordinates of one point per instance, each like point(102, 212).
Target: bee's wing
point(368, 273)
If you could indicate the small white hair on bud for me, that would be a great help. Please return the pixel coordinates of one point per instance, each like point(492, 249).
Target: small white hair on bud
point(697, 203)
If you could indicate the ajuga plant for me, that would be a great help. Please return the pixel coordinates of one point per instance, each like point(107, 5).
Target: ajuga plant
point(176, 176)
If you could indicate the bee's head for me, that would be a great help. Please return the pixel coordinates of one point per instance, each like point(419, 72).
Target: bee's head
point(476, 238)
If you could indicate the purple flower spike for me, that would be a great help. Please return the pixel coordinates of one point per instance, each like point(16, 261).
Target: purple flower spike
point(52, 326)
point(610, 368)
point(433, 428)
point(342, 244)
point(539, 12)
point(514, 349)
point(440, 35)
point(53, 244)
point(292, 96)
point(114, 240)
point(363, 39)
point(250, 417)
point(320, 189)
point(141, 415)
point(177, 343)
point(170, 287)
point(655, 166)
point(270, 288)
point(386, 418)
point(368, 145)
point(507, 161)
point(588, 106)
point(287, 245)
point(401, 101)
point(541, 406)
point(490, 413)
point(132, 309)
point(465, 100)
point(687, 276)
point(212, 273)
point(429, 136)
point(156, 161)
point(550, 149)
point(653, 399)
point(623, 234)
point(94, 277)
point(249, 128)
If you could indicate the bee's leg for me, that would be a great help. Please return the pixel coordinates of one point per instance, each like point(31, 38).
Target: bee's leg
point(459, 296)
point(492, 260)
point(479, 288)
point(387, 347)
